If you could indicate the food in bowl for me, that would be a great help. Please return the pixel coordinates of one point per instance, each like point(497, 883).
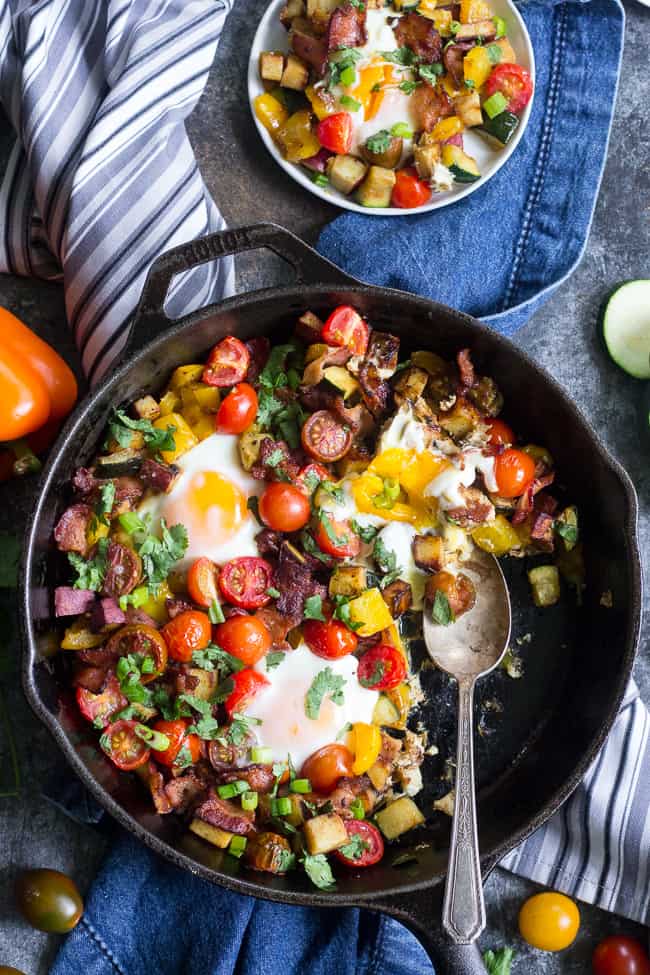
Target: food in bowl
point(247, 550)
point(374, 100)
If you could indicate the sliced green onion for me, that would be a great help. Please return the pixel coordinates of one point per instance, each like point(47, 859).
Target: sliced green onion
point(348, 76)
point(320, 179)
point(261, 756)
point(402, 130)
point(281, 806)
point(232, 789)
point(357, 810)
point(215, 613)
point(350, 103)
point(495, 104)
point(154, 739)
point(137, 598)
point(300, 785)
point(501, 26)
point(237, 846)
point(249, 800)
point(455, 26)
point(131, 522)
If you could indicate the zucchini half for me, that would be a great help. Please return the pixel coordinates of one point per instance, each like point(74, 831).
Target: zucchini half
point(462, 167)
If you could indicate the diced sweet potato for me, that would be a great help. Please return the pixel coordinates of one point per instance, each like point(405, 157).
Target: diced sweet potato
point(271, 66)
point(295, 74)
point(429, 552)
point(325, 833)
point(399, 817)
point(147, 408)
point(398, 596)
point(291, 10)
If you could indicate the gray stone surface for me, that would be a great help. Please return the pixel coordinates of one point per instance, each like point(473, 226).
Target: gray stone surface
point(562, 336)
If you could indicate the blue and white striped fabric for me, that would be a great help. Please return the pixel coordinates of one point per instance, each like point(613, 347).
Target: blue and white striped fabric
point(102, 178)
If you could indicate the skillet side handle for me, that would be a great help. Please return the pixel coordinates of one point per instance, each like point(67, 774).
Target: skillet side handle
point(309, 267)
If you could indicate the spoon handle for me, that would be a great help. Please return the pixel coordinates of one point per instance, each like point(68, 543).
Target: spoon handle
point(463, 910)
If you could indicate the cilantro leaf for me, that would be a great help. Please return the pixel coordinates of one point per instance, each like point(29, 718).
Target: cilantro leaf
point(342, 612)
point(319, 871)
point(106, 499)
point(284, 860)
point(387, 562)
point(314, 608)
point(273, 592)
point(206, 728)
point(310, 546)
point(213, 658)
point(333, 490)
point(168, 707)
point(430, 72)
point(408, 87)
point(274, 659)
point(355, 848)
point(403, 55)
point(441, 610)
point(367, 533)
point(240, 728)
point(160, 554)
point(120, 427)
point(184, 757)
point(499, 962)
point(379, 142)
point(567, 531)
point(324, 683)
point(196, 703)
point(90, 572)
point(374, 678)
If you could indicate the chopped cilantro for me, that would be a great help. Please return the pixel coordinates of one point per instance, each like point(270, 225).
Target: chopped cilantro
point(387, 562)
point(408, 87)
point(403, 55)
point(319, 871)
point(240, 728)
point(333, 490)
point(350, 103)
point(342, 612)
point(494, 53)
point(184, 757)
point(196, 703)
point(375, 677)
point(90, 572)
point(567, 531)
point(324, 683)
point(273, 592)
point(355, 848)
point(106, 499)
point(366, 533)
point(430, 72)
point(120, 427)
point(274, 659)
point(499, 962)
point(441, 610)
point(330, 531)
point(310, 546)
point(347, 727)
point(159, 554)
point(285, 859)
point(469, 83)
point(379, 142)
point(341, 66)
point(314, 608)
point(207, 728)
point(213, 658)
point(168, 707)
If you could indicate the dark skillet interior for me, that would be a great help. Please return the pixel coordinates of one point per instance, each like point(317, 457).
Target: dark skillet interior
point(576, 661)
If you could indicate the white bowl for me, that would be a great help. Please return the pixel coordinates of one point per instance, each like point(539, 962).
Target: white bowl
point(271, 36)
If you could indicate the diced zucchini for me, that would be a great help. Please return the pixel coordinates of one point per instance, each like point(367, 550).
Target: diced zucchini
point(468, 109)
point(502, 127)
point(566, 525)
point(462, 167)
point(207, 682)
point(377, 187)
point(412, 382)
point(426, 159)
point(545, 584)
point(271, 66)
point(370, 611)
point(213, 834)
point(345, 173)
point(385, 712)
point(343, 380)
point(147, 408)
point(325, 833)
point(250, 442)
point(399, 817)
point(348, 580)
point(295, 74)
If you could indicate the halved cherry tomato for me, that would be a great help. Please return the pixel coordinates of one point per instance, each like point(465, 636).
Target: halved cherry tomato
point(458, 589)
point(247, 684)
point(25, 400)
point(346, 327)
point(245, 637)
point(337, 538)
point(500, 433)
point(99, 708)
point(549, 921)
point(244, 582)
point(335, 132)
point(514, 471)
point(326, 766)
point(381, 668)
point(310, 476)
point(514, 82)
point(202, 582)
point(284, 507)
point(374, 844)
point(227, 363)
point(325, 438)
point(409, 190)
point(330, 640)
point(187, 632)
point(237, 411)
point(620, 955)
point(144, 640)
point(123, 746)
point(176, 731)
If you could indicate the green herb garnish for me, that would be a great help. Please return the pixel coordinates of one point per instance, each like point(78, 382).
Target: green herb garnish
point(314, 608)
point(90, 572)
point(441, 610)
point(274, 659)
point(499, 962)
point(120, 427)
point(356, 847)
point(324, 683)
point(319, 871)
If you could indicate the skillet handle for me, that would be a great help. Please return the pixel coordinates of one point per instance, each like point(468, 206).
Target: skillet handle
point(309, 267)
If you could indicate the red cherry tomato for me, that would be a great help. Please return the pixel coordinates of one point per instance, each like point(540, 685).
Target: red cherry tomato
point(514, 472)
point(381, 668)
point(330, 640)
point(176, 731)
point(337, 538)
point(514, 82)
point(237, 411)
point(620, 955)
point(245, 637)
point(244, 582)
point(325, 438)
point(284, 507)
point(187, 632)
point(500, 433)
point(326, 766)
point(227, 363)
point(335, 132)
point(346, 327)
point(248, 683)
point(143, 639)
point(409, 190)
point(374, 848)
point(202, 582)
point(99, 708)
point(124, 748)
point(310, 476)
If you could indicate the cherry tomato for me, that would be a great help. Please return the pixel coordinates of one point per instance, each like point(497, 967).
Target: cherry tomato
point(57, 377)
point(227, 363)
point(247, 684)
point(187, 632)
point(381, 668)
point(346, 327)
point(244, 582)
point(549, 921)
point(330, 640)
point(176, 731)
point(202, 582)
point(326, 766)
point(337, 538)
point(48, 900)
point(245, 637)
point(409, 190)
point(514, 82)
point(335, 132)
point(237, 411)
point(459, 590)
point(325, 438)
point(98, 708)
point(620, 955)
point(310, 476)
point(514, 471)
point(143, 639)
point(124, 748)
point(374, 849)
point(284, 507)
point(500, 433)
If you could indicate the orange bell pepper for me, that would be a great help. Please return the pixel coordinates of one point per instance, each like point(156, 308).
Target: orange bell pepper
point(25, 401)
point(55, 375)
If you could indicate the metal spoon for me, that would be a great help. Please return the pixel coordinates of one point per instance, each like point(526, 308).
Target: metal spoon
point(468, 649)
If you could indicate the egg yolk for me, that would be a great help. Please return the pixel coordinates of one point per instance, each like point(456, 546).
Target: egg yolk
point(413, 471)
point(211, 506)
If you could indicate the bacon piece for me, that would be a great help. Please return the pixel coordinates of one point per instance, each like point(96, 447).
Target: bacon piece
point(84, 481)
point(374, 390)
point(358, 418)
point(347, 790)
point(268, 542)
point(347, 27)
point(314, 371)
point(92, 678)
point(260, 778)
point(175, 606)
point(477, 510)
point(383, 352)
point(153, 779)
point(70, 533)
point(285, 465)
point(185, 790)
point(226, 815)
point(258, 350)
point(123, 570)
point(277, 624)
point(106, 612)
point(546, 503)
point(159, 477)
point(296, 582)
point(526, 501)
point(418, 33)
point(311, 49)
point(134, 615)
point(542, 531)
point(72, 602)
point(128, 491)
point(466, 368)
point(429, 105)
point(453, 57)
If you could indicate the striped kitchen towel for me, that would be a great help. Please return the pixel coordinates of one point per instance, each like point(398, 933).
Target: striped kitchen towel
point(101, 177)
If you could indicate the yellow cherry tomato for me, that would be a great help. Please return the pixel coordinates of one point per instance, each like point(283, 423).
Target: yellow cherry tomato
point(365, 743)
point(549, 921)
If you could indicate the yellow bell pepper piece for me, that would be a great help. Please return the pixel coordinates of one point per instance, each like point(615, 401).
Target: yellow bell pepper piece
point(441, 19)
point(370, 611)
point(427, 7)
point(365, 744)
point(155, 606)
point(320, 106)
point(79, 636)
point(472, 11)
point(477, 67)
point(497, 537)
point(208, 397)
point(203, 427)
point(296, 138)
point(446, 128)
point(447, 84)
point(186, 376)
point(96, 530)
point(169, 403)
point(184, 439)
point(270, 112)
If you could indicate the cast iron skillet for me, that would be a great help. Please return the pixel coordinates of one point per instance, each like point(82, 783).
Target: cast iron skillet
point(535, 750)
